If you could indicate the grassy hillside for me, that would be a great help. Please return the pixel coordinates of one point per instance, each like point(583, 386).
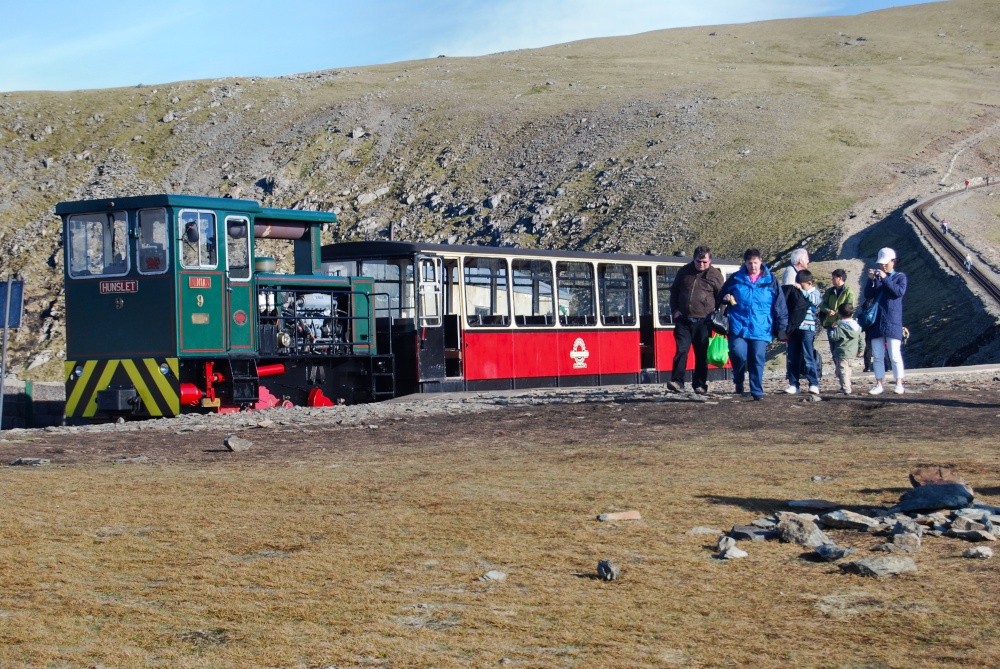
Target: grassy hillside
point(768, 134)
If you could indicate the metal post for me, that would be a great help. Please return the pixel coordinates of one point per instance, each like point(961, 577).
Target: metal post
point(3, 356)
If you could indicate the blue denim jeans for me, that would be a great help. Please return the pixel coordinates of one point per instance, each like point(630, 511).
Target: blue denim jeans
point(747, 357)
point(801, 357)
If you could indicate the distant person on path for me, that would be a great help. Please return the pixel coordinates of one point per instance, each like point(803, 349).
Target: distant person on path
point(838, 294)
point(944, 226)
point(693, 296)
point(757, 312)
point(966, 184)
point(887, 286)
point(968, 263)
point(802, 300)
point(846, 342)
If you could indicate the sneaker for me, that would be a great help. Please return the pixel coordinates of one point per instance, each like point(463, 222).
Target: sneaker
point(758, 398)
point(673, 387)
point(899, 389)
point(701, 391)
point(792, 390)
point(847, 391)
point(814, 390)
point(877, 390)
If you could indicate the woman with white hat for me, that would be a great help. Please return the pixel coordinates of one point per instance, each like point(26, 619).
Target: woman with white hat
point(887, 286)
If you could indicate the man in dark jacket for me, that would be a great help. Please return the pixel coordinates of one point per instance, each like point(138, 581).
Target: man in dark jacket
point(693, 296)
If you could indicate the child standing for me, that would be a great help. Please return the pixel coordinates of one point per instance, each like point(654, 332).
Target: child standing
point(845, 339)
point(803, 301)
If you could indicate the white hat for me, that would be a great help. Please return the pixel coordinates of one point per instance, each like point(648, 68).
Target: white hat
point(885, 255)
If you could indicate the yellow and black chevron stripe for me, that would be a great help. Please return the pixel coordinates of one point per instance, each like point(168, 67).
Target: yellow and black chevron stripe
point(159, 393)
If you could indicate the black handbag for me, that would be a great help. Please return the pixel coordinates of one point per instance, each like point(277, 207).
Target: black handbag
point(718, 321)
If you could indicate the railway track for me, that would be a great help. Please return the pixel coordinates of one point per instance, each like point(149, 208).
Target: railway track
point(921, 213)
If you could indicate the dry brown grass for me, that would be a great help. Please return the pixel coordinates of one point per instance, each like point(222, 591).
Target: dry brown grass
point(368, 553)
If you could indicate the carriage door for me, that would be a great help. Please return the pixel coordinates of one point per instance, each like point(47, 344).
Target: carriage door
point(647, 334)
point(430, 334)
point(202, 322)
point(238, 289)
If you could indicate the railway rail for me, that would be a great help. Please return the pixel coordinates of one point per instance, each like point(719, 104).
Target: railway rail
point(926, 220)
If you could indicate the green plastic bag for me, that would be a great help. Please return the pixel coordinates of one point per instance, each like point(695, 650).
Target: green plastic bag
point(718, 350)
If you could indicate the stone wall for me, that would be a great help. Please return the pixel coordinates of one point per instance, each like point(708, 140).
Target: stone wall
point(32, 404)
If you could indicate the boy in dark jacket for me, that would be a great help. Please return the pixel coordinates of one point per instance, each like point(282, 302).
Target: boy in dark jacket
point(693, 295)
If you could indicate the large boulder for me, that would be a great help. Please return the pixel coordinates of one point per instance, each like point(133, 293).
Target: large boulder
point(798, 530)
point(922, 476)
point(934, 498)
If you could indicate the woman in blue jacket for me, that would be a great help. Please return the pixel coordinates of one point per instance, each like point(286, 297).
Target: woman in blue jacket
point(887, 286)
point(757, 311)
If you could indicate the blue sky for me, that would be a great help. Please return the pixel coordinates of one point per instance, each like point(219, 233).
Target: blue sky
point(63, 45)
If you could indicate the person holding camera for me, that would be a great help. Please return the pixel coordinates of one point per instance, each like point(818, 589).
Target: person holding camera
point(693, 295)
point(887, 287)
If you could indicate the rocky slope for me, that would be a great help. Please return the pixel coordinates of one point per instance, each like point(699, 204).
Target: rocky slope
point(771, 134)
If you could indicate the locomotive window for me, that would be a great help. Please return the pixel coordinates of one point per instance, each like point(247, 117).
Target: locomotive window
point(98, 244)
point(238, 248)
point(617, 294)
point(487, 290)
point(197, 232)
point(664, 280)
point(576, 293)
point(533, 303)
point(153, 243)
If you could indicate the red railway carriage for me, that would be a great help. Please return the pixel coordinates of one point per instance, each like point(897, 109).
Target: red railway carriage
point(483, 318)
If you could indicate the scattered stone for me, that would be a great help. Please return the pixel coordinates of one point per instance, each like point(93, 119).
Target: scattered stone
point(701, 529)
point(493, 575)
point(236, 444)
point(965, 523)
point(131, 459)
point(357, 133)
point(764, 523)
point(832, 552)
point(803, 532)
point(906, 543)
point(979, 552)
point(751, 533)
point(813, 504)
point(848, 520)
point(935, 498)
point(822, 479)
point(906, 525)
point(972, 535)
point(608, 571)
point(620, 515)
point(733, 553)
point(922, 476)
point(29, 462)
point(880, 567)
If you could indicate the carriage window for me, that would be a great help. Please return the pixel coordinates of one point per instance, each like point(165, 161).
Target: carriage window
point(197, 232)
point(393, 289)
point(486, 292)
point(98, 244)
point(238, 248)
point(341, 268)
point(153, 243)
point(576, 293)
point(664, 280)
point(533, 303)
point(617, 294)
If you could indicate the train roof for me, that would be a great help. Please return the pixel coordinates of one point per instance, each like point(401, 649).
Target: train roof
point(249, 207)
point(377, 249)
